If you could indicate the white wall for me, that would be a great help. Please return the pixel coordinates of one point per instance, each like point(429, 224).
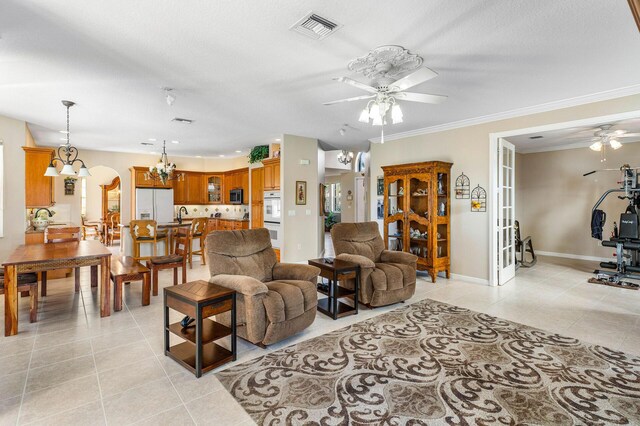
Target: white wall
point(13, 134)
point(300, 226)
point(468, 149)
point(554, 200)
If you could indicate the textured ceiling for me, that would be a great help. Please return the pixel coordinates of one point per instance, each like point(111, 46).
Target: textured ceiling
point(244, 78)
point(571, 137)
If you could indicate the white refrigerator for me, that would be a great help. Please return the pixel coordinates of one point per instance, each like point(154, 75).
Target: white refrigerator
point(156, 204)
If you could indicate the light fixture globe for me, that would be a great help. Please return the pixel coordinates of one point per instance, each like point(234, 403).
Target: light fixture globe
point(615, 143)
point(83, 172)
point(51, 171)
point(67, 169)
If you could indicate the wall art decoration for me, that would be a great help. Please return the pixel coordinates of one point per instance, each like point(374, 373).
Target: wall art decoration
point(478, 199)
point(463, 187)
point(301, 192)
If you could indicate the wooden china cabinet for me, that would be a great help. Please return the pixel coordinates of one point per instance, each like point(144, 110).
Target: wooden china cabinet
point(417, 217)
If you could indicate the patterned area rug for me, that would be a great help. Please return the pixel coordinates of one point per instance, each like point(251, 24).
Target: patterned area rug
point(433, 363)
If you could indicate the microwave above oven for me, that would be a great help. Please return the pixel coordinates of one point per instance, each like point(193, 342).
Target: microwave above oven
point(235, 196)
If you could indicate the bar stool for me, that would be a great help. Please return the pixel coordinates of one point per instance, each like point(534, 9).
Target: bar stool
point(146, 232)
point(198, 231)
point(172, 261)
point(62, 235)
point(26, 282)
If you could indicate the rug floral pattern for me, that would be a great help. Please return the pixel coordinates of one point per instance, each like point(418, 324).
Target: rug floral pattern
point(433, 363)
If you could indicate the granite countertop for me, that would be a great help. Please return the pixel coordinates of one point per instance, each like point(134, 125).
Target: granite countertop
point(32, 230)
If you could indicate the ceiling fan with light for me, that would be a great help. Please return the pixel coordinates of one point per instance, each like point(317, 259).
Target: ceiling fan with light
point(383, 66)
point(604, 137)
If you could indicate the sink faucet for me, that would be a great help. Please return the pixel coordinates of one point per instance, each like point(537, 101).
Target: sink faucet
point(180, 213)
point(35, 216)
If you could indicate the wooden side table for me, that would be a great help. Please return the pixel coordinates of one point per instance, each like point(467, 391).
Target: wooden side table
point(200, 300)
point(124, 269)
point(334, 272)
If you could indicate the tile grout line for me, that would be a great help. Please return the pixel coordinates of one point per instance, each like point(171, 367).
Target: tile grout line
point(158, 361)
point(26, 379)
point(93, 355)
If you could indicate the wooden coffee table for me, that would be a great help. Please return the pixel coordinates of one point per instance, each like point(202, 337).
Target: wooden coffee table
point(200, 300)
point(334, 272)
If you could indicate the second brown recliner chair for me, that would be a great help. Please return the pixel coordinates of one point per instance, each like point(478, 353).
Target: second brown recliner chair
point(386, 277)
point(274, 300)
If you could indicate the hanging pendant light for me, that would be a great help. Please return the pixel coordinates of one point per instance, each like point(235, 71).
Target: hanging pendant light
point(70, 154)
point(163, 171)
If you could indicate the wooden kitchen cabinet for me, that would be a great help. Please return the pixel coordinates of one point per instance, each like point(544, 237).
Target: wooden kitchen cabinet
point(180, 191)
point(257, 197)
point(271, 174)
point(214, 186)
point(228, 185)
point(219, 224)
point(140, 181)
point(39, 189)
point(194, 184)
point(244, 184)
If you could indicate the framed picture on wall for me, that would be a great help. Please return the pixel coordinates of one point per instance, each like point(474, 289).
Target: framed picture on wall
point(301, 192)
point(380, 186)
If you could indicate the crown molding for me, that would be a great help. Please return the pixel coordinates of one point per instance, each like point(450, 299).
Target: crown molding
point(520, 112)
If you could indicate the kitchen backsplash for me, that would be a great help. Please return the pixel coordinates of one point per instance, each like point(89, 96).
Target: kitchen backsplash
point(231, 211)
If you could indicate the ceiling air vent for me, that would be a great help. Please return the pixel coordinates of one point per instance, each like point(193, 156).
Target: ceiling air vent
point(315, 26)
point(536, 137)
point(182, 120)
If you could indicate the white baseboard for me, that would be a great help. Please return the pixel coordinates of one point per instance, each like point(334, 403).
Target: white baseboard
point(469, 279)
point(575, 256)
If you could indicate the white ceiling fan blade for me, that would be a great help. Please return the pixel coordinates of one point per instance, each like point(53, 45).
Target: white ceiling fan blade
point(357, 98)
point(627, 135)
point(420, 76)
point(420, 97)
point(357, 84)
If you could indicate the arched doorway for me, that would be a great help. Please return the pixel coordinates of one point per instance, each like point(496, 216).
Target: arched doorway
point(100, 193)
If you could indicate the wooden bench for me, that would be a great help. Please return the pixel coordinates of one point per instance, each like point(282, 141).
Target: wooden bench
point(125, 269)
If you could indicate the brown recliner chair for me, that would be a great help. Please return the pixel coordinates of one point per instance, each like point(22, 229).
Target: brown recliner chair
point(274, 300)
point(386, 277)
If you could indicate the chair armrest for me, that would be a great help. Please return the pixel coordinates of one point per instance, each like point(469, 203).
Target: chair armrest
point(364, 262)
point(243, 284)
point(388, 256)
point(295, 271)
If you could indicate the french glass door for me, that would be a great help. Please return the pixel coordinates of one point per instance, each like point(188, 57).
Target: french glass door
point(506, 211)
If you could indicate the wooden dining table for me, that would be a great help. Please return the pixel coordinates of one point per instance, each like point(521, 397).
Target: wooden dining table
point(47, 257)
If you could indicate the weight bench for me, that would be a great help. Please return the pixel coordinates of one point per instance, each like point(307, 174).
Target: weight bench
point(627, 264)
point(523, 247)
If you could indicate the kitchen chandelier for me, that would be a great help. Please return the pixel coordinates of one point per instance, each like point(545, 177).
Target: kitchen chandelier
point(163, 171)
point(70, 154)
point(345, 157)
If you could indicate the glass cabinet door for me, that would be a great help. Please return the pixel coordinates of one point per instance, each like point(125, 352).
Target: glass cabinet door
point(419, 199)
point(394, 216)
point(214, 189)
point(443, 205)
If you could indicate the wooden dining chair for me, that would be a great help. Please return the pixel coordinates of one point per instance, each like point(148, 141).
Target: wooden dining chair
point(114, 228)
point(61, 235)
point(89, 229)
point(146, 232)
point(197, 231)
point(27, 282)
point(173, 261)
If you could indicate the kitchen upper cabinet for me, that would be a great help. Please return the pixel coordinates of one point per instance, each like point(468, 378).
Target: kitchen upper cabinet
point(194, 183)
point(271, 174)
point(180, 191)
point(257, 197)
point(214, 184)
point(39, 190)
point(244, 184)
point(138, 175)
point(228, 185)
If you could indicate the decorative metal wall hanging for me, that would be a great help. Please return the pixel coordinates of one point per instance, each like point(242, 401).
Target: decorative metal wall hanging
point(69, 185)
point(463, 186)
point(478, 199)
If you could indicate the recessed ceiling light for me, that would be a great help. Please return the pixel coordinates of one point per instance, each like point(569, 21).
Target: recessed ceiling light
point(64, 132)
point(277, 139)
point(239, 152)
point(154, 153)
point(175, 141)
point(221, 155)
point(198, 156)
point(152, 140)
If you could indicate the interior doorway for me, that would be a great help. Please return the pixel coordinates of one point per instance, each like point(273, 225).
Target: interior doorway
point(537, 183)
point(360, 199)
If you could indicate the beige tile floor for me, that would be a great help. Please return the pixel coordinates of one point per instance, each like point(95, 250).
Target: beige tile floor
point(72, 367)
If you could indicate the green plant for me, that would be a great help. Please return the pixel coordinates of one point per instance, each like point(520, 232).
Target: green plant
point(329, 221)
point(258, 153)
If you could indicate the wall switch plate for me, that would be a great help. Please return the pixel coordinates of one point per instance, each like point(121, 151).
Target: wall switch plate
point(308, 212)
point(299, 246)
point(291, 212)
point(305, 162)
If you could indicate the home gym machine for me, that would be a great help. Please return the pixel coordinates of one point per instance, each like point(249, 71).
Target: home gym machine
point(625, 238)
